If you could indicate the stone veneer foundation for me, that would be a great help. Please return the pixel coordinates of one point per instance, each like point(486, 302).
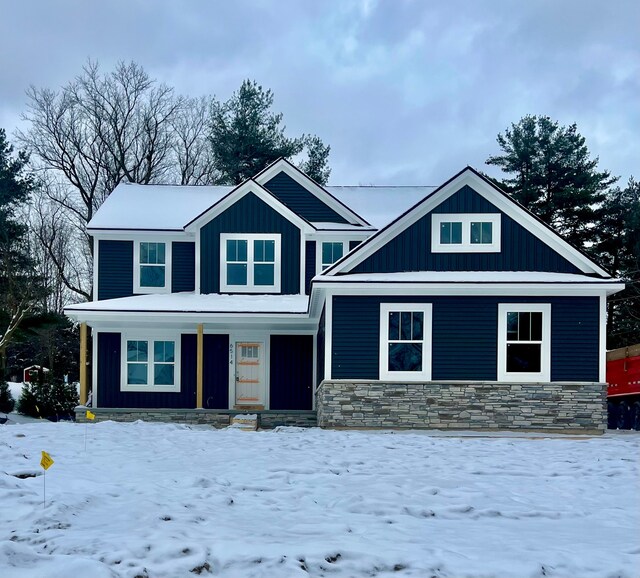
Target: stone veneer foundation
point(564, 407)
point(215, 418)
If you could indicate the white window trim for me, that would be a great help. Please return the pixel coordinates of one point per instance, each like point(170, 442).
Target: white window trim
point(345, 250)
point(250, 287)
point(466, 219)
point(149, 337)
point(425, 374)
point(167, 267)
point(545, 363)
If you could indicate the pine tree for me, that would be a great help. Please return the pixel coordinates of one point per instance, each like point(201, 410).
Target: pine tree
point(7, 403)
point(552, 174)
point(18, 286)
point(246, 136)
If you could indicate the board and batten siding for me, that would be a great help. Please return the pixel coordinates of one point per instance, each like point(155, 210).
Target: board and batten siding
point(309, 264)
point(410, 250)
point(115, 269)
point(465, 336)
point(215, 370)
point(183, 266)
point(301, 201)
point(291, 372)
point(109, 377)
point(249, 215)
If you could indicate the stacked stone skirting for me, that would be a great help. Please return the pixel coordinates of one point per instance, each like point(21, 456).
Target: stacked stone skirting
point(215, 418)
point(566, 407)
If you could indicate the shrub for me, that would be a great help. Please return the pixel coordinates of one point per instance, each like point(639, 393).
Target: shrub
point(50, 400)
point(7, 403)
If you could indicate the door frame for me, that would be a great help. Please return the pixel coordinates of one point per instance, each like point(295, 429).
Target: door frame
point(251, 336)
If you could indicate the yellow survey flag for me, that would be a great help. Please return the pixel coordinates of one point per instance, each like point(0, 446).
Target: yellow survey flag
point(90, 415)
point(46, 461)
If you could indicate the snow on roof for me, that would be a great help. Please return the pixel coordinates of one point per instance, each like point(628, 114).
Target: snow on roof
point(156, 207)
point(171, 207)
point(193, 303)
point(462, 277)
point(380, 204)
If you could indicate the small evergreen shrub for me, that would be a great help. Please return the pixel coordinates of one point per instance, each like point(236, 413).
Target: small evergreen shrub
point(48, 400)
point(7, 403)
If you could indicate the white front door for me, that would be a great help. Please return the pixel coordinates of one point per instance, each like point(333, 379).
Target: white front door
point(250, 373)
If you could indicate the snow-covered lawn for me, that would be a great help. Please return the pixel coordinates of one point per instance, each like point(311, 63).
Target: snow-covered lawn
point(168, 501)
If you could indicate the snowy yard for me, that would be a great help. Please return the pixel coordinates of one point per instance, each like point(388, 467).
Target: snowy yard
point(169, 501)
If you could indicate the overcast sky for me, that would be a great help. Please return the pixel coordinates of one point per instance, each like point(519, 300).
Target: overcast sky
point(405, 92)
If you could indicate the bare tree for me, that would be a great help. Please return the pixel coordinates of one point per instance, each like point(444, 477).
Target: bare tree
point(191, 147)
point(97, 131)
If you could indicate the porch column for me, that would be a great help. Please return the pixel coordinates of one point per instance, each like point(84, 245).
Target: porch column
point(83, 363)
point(199, 365)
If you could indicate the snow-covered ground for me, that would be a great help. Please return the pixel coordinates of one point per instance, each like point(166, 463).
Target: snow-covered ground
point(166, 501)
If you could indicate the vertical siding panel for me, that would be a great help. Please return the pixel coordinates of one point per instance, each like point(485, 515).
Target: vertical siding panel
point(183, 267)
point(411, 249)
point(309, 264)
point(291, 372)
point(115, 269)
point(215, 387)
point(250, 215)
point(108, 369)
point(300, 200)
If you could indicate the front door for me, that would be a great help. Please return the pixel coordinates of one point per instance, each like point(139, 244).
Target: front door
point(250, 373)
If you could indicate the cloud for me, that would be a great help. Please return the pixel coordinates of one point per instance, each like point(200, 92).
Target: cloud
point(404, 91)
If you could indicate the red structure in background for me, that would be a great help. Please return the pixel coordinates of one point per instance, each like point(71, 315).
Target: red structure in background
point(623, 393)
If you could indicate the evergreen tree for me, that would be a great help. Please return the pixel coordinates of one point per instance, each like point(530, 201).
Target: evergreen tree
point(552, 174)
point(316, 165)
point(619, 250)
point(7, 403)
point(18, 287)
point(246, 136)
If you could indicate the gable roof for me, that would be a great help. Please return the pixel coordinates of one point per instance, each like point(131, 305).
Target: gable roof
point(132, 206)
point(284, 166)
point(249, 186)
point(484, 187)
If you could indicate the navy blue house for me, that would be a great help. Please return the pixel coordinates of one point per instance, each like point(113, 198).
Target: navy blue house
point(276, 297)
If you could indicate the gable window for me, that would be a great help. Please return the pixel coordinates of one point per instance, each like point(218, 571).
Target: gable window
point(524, 342)
point(405, 341)
point(149, 364)
point(465, 233)
point(152, 263)
point(330, 253)
point(250, 263)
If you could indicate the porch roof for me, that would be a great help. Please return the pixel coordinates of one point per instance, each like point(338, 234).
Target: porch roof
point(193, 303)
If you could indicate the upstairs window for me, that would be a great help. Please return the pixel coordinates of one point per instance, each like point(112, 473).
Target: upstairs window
point(465, 233)
point(524, 342)
point(152, 266)
point(331, 251)
point(250, 263)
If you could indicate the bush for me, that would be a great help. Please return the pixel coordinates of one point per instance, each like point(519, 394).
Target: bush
point(7, 403)
point(50, 400)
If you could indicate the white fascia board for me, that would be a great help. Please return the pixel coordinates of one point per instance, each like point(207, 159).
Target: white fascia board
point(494, 196)
point(136, 318)
point(240, 191)
point(284, 166)
point(520, 289)
point(136, 234)
point(347, 235)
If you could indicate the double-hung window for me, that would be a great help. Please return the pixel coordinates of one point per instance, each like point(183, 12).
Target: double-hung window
point(330, 252)
point(465, 233)
point(524, 342)
point(405, 341)
point(250, 263)
point(152, 263)
point(150, 364)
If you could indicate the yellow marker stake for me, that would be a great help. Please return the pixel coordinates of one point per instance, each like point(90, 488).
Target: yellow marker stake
point(46, 461)
point(90, 415)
